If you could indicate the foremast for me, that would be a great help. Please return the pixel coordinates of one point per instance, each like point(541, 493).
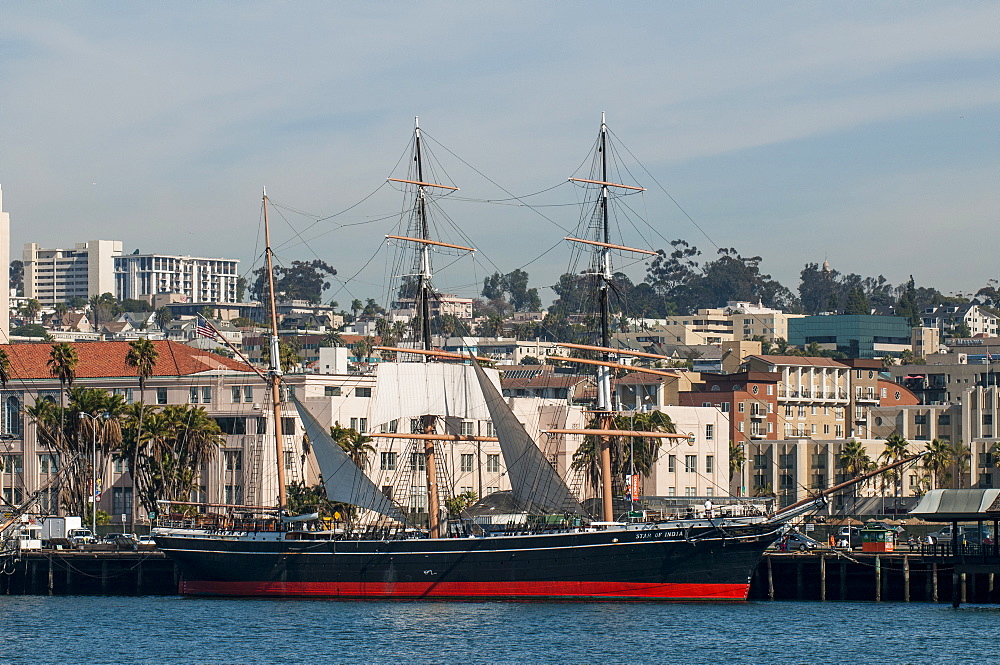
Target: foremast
point(274, 371)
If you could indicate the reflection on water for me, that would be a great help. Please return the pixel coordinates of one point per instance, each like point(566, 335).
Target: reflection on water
point(181, 630)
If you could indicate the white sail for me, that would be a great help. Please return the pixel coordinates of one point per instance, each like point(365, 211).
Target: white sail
point(534, 484)
point(410, 390)
point(343, 480)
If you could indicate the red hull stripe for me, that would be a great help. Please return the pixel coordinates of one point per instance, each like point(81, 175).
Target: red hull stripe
point(510, 590)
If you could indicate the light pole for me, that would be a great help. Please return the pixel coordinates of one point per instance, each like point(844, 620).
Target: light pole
point(93, 473)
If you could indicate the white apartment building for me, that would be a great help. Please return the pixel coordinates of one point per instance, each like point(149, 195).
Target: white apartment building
point(4, 260)
point(737, 321)
point(194, 279)
point(58, 275)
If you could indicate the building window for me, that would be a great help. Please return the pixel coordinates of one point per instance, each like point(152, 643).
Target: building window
point(48, 463)
point(362, 392)
point(121, 501)
point(248, 394)
point(118, 464)
point(826, 429)
point(489, 428)
point(812, 429)
point(709, 432)
point(788, 410)
point(161, 396)
point(840, 431)
point(671, 463)
point(331, 391)
point(492, 464)
point(706, 404)
point(289, 460)
point(739, 425)
point(740, 407)
point(388, 461)
point(12, 416)
point(415, 426)
point(467, 428)
point(786, 460)
point(802, 412)
point(234, 460)
point(234, 494)
point(691, 463)
point(194, 395)
point(785, 481)
point(468, 460)
point(671, 491)
point(710, 464)
point(725, 407)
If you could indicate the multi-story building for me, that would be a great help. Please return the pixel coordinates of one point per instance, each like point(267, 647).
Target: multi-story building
point(735, 322)
point(946, 376)
point(4, 260)
point(697, 466)
point(948, 318)
point(813, 395)
point(198, 280)
point(440, 305)
point(750, 399)
point(54, 276)
point(858, 336)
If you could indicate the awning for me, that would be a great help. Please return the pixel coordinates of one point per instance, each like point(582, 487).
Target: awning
point(914, 376)
point(956, 505)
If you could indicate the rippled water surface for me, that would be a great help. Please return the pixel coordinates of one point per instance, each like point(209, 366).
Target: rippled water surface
point(78, 629)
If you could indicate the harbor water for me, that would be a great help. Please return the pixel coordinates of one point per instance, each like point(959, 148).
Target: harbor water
point(170, 629)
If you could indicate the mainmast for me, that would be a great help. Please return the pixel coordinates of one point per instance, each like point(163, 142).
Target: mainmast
point(604, 275)
point(422, 308)
point(274, 373)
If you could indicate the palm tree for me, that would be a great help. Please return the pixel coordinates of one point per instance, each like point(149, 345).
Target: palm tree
point(332, 338)
point(643, 452)
point(141, 357)
point(937, 459)
point(163, 317)
point(62, 364)
point(961, 456)
point(30, 309)
point(356, 306)
point(896, 448)
point(355, 444)
point(363, 349)
point(855, 461)
point(737, 458)
point(5, 367)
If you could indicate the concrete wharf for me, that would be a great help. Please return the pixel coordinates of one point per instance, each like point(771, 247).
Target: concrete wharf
point(71, 572)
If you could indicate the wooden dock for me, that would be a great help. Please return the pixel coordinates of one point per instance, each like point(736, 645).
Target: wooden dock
point(856, 576)
point(74, 572)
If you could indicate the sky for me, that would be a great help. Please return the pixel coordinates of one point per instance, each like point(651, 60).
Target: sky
point(862, 133)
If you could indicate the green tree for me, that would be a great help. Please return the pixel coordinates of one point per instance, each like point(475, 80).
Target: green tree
point(30, 310)
point(141, 357)
point(354, 443)
point(857, 302)
point(643, 451)
point(167, 451)
point(162, 317)
point(855, 461)
point(302, 280)
point(91, 416)
point(961, 458)
point(62, 363)
point(17, 277)
point(937, 460)
point(896, 448)
point(459, 503)
point(737, 458)
point(30, 330)
point(5, 368)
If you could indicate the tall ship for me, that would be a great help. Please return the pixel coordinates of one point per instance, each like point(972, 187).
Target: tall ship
point(554, 549)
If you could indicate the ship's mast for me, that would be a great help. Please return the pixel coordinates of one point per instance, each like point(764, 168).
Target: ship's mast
point(274, 373)
point(428, 421)
point(604, 372)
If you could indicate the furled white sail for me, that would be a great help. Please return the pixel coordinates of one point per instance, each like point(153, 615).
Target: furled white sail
point(534, 484)
point(411, 390)
point(343, 480)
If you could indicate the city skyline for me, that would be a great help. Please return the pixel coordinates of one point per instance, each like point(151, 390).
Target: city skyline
point(799, 133)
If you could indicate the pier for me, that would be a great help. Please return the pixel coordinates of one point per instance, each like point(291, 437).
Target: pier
point(857, 576)
point(74, 572)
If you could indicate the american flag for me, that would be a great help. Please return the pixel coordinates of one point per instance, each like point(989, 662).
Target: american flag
point(204, 329)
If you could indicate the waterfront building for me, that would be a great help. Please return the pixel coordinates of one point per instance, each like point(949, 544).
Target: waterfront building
point(193, 279)
point(53, 276)
point(749, 398)
point(857, 335)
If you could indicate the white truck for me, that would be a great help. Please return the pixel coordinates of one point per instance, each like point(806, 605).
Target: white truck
point(62, 531)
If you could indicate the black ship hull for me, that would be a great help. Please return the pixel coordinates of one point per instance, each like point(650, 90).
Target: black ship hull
point(685, 564)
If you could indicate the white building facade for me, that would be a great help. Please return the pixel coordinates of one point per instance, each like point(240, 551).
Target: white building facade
point(195, 279)
point(54, 276)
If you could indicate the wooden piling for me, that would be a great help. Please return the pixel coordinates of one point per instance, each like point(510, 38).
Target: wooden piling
point(822, 577)
point(104, 576)
point(798, 580)
point(843, 580)
point(906, 579)
point(51, 575)
point(989, 588)
point(878, 579)
point(770, 580)
point(934, 583)
point(956, 589)
point(965, 597)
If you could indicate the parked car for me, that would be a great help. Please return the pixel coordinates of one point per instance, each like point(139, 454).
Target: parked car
point(967, 534)
point(796, 542)
point(120, 539)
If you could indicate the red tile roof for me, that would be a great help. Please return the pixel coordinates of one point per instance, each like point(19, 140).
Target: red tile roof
point(107, 360)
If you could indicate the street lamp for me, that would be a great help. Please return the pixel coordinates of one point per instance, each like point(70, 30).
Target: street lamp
point(93, 474)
